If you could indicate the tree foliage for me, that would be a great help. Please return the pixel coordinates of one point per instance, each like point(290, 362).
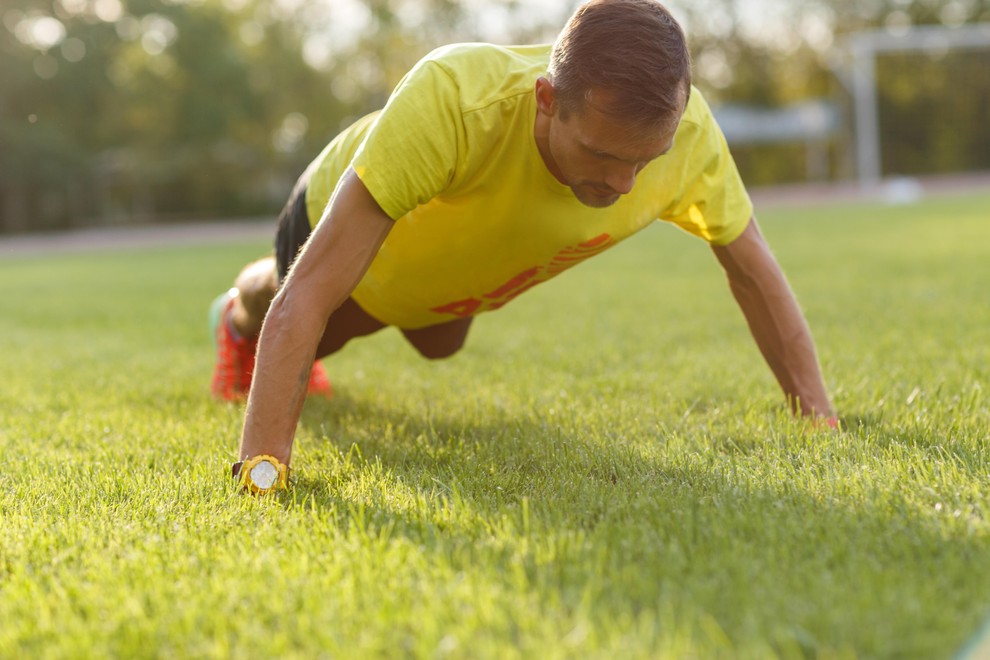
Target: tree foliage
point(121, 110)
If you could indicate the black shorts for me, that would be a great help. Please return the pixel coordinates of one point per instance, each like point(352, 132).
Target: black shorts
point(293, 227)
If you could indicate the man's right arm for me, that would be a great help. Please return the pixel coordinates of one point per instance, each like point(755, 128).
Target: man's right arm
point(331, 264)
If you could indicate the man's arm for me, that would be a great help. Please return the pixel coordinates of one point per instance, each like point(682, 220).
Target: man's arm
point(331, 264)
point(775, 320)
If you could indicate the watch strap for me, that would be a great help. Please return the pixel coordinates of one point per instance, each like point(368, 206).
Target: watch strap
point(281, 482)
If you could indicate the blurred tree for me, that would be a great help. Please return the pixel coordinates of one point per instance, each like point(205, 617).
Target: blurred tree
point(933, 107)
point(119, 110)
point(154, 108)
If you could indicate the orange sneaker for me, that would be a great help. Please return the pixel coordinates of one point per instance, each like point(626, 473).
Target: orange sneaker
point(319, 383)
point(235, 357)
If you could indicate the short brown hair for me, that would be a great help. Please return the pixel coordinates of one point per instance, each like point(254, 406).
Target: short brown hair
point(634, 49)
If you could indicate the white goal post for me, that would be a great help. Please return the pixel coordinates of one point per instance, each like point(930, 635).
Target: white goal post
point(864, 48)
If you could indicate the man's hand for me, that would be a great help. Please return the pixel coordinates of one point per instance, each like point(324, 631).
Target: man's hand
point(332, 262)
point(776, 322)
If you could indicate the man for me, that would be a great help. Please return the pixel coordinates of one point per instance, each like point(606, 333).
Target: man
point(490, 170)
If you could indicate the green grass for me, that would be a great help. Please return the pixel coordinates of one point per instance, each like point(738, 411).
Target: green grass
point(607, 470)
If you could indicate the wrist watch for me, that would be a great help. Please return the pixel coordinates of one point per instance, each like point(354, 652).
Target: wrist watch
point(261, 475)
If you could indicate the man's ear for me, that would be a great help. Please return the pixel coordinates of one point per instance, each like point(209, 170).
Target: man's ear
point(546, 97)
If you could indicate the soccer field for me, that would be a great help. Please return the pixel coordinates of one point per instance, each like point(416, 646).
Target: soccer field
point(606, 470)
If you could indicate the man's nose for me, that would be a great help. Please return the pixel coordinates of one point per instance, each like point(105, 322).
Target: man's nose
point(622, 178)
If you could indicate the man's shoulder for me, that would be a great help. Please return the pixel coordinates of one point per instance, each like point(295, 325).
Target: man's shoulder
point(484, 73)
point(459, 55)
point(698, 113)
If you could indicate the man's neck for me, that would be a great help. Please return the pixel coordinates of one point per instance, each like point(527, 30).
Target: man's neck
point(541, 133)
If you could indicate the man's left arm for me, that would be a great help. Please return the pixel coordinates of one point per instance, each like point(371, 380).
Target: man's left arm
point(776, 321)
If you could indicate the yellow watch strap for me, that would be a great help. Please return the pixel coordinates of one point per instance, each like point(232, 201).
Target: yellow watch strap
point(263, 474)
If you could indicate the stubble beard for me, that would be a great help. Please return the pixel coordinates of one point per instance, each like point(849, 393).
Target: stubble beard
point(592, 200)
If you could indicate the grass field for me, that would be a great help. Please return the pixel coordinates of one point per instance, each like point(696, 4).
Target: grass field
point(607, 470)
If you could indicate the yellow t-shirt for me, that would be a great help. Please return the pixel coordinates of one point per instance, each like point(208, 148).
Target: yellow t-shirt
point(478, 216)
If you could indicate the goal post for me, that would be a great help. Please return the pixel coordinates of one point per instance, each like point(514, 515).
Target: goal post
point(864, 47)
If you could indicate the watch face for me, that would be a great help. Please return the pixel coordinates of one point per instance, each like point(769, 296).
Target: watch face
point(264, 475)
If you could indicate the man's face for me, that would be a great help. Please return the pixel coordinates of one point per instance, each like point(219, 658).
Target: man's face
point(595, 154)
